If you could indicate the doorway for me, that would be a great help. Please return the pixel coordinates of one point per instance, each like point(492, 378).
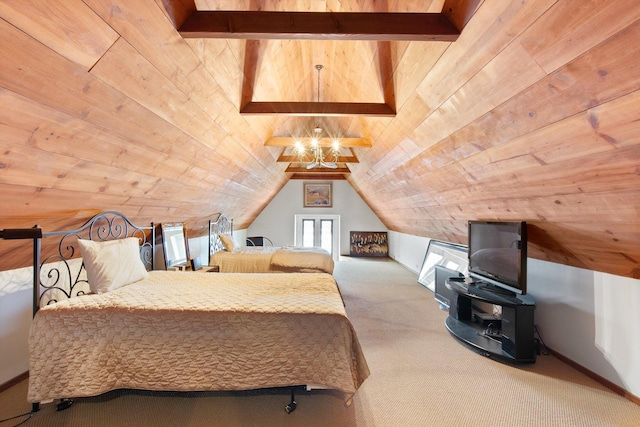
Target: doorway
point(319, 230)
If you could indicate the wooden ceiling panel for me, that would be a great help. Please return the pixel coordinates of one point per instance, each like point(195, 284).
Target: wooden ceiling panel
point(490, 31)
point(70, 29)
point(532, 113)
point(189, 76)
point(422, 6)
point(568, 31)
point(141, 81)
point(281, 76)
point(576, 87)
point(224, 60)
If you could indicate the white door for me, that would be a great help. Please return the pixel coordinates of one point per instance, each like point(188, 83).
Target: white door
point(319, 230)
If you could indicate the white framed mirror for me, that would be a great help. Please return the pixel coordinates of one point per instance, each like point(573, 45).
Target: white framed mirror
point(445, 254)
point(174, 245)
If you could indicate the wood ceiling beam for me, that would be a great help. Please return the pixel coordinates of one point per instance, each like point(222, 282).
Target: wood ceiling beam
point(294, 159)
point(380, 26)
point(303, 169)
point(341, 159)
point(278, 141)
point(318, 109)
point(317, 176)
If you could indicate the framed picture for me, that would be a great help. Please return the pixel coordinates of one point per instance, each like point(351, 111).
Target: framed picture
point(317, 195)
point(369, 243)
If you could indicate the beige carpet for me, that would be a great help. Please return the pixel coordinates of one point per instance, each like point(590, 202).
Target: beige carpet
point(420, 376)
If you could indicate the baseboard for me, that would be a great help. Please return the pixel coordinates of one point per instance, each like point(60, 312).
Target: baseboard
point(404, 265)
point(14, 381)
point(605, 382)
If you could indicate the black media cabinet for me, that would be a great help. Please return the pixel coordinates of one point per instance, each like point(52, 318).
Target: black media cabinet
point(515, 342)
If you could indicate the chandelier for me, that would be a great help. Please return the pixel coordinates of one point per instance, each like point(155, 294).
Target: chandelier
point(316, 155)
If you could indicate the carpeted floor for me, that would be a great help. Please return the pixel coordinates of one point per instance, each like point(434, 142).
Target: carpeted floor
point(420, 376)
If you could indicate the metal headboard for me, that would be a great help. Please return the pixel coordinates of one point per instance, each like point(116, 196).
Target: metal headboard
point(62, 275)
point(221, 225)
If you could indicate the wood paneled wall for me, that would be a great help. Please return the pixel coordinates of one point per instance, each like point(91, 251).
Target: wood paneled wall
point(532, 114)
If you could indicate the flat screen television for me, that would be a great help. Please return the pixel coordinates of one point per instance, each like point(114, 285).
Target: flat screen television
point(498, 255)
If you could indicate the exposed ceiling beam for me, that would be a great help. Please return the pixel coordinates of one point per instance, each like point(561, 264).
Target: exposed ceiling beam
point(319, 109)
point(341, 159)
point(379, 26)
point(316, 176)
point(278, 141)
point(303, 169)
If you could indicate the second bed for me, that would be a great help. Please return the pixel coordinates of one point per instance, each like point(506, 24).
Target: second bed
point(231, 258)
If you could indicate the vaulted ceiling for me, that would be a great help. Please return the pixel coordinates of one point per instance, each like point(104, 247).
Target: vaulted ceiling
point(531, 113)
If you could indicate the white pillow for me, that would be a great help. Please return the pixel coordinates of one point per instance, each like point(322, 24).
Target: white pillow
point(112, 264)
point(227, 242)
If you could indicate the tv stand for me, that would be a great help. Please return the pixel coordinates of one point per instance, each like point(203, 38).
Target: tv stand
point(494, 288)
point(516, 343)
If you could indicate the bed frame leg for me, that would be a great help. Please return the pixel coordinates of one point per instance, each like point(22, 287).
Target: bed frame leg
point(292, 405)
point(64, 404)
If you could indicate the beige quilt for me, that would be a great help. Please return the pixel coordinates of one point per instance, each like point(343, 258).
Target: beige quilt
point(244, 259)
point(303, 258)
point(267, 259)
point(184, 331)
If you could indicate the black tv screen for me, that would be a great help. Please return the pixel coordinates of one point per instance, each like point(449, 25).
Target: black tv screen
point(498, 254)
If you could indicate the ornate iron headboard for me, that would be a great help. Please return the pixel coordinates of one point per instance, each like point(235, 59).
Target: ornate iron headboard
point(221, 225)
point(61, 274)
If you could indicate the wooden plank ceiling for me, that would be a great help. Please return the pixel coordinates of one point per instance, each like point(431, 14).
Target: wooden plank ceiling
point(532, 113)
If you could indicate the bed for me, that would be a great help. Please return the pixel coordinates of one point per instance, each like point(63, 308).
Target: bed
point(231, 258)
point(178, 331)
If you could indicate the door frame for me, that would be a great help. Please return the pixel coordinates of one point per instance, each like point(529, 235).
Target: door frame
point(297, 231)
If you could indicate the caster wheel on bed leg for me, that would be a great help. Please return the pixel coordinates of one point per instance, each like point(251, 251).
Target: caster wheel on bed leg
point(292, 405)
point(64, 404)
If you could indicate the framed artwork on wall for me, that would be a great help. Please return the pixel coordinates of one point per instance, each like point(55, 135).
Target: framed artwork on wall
point(369, 244)
point(317, 195)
